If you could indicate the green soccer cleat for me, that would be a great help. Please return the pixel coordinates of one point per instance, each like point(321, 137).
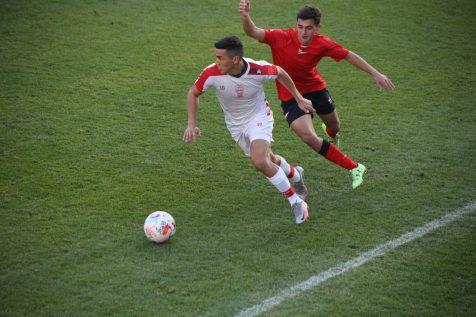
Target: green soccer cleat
point(357, 175)
point(336, 140)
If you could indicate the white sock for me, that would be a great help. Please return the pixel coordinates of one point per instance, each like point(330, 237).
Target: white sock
point(289, 170)
point(281, 182)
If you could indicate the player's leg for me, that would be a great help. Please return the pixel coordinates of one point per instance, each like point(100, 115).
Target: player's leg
point(296, 174)
point(301, 124)
point(288, 169)
point(304, 128)
point(332, 123)
point(325, 108)
point(261, 159)
point(331, 126)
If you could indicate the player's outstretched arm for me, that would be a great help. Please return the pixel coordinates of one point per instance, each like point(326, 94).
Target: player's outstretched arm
point(248, 25)
point(380, 79)
point(192, 132)
point(287, 82)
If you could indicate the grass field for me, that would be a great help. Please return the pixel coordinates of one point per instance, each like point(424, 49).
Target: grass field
point(92, 100)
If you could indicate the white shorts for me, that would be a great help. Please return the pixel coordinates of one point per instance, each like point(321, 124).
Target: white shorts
point(259, 127)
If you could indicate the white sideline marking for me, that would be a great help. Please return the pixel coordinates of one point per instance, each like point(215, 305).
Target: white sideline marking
point(357, 261)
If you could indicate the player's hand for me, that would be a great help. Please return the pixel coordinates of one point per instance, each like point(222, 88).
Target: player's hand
point(306, 106)
point(191, 134)
point(383, 81)
point(244, 8)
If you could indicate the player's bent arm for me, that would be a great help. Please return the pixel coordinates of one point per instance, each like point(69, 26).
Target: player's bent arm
point(249, 26)
point(252, 30)
point(380, 79)
point(192, 132)
point(287, 82)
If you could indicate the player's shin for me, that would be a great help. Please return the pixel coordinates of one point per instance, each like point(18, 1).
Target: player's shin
point(296, 174)
point(281, 182)
point(333, 154)
point(288, 169)
point(298, 206)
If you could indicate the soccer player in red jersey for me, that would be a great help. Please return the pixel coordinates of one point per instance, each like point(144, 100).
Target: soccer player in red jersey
point(298, 51)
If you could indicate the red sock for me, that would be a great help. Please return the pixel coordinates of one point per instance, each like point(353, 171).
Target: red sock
point(289, 192)
point(291, 172)
point(336, 156)
point(330, 133)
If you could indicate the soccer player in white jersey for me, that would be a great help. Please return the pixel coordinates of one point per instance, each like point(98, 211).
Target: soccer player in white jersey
point(239, 87)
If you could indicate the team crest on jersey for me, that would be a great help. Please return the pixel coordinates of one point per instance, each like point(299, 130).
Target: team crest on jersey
point(222, 87)
point(240, 89)
point(254, 71)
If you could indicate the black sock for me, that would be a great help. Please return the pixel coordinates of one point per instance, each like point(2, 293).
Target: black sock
point(324, 147)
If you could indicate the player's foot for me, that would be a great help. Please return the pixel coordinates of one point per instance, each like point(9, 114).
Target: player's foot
point(301, 189)
point(335, 140)
point(357, 175)
point(301, 211)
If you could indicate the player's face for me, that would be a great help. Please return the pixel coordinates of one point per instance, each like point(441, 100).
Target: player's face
point(223, 61)
point(306, 30)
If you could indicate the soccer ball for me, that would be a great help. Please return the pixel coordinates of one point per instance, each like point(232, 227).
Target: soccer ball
point(159, 226)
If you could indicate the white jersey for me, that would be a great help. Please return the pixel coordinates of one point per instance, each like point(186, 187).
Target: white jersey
point(241, 97)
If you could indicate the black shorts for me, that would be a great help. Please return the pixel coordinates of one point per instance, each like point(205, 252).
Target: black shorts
point(321, 100)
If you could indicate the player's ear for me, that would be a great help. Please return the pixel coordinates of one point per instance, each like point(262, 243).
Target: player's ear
point(236, 59)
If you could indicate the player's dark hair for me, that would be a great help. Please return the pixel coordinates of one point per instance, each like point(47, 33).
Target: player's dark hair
point(231, 44)
point(308, 12)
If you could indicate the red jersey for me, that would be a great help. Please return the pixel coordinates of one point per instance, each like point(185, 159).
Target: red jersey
point(300, 61)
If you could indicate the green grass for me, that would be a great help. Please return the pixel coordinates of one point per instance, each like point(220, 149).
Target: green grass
point(92, 97)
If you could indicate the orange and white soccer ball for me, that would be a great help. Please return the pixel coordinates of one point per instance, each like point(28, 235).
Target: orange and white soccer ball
point(159, 226)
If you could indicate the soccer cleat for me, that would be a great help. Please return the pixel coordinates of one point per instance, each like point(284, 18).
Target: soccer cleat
point(357, 175)
point(336, 140)
point(301, 189)
point(301, 211)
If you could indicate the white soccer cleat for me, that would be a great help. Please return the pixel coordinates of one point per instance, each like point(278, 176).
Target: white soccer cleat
point(301, 211)
point(301, 189)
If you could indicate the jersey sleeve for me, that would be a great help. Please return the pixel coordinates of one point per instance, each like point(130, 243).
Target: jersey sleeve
point(336, 51)
point(263, 70)
point(204, 80)
point(200, 83)
point(273, 37)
